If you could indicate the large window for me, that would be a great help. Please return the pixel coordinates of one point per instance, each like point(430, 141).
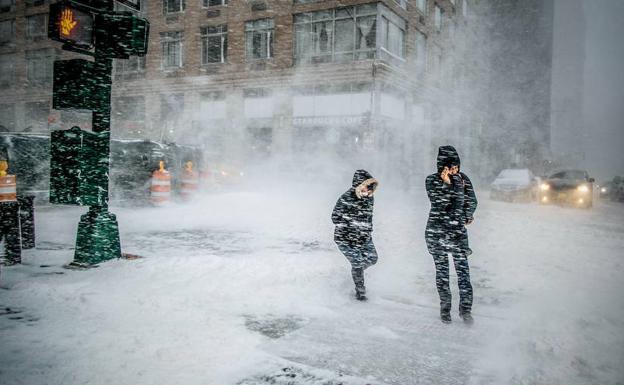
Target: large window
point(40, 64)
point(7, 70)
point(7, 6)
point(393, 37)
point(402, 3)
point(130, 108)
point(422, 6)
point(214, 3)
point(132, 65)
point(37, 116)
point(214, 44)
point(34, 3)
point(259, 39)
point(36, 26)
point(421, 52)
point(342, 34)
point(7, 31)
point(7, 117)
point(171, 113)
point(173, 6)
point(437, 18)
point(172, 44)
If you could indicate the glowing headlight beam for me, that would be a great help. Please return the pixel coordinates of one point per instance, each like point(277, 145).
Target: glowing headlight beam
point(583, 189)
point(544, 187)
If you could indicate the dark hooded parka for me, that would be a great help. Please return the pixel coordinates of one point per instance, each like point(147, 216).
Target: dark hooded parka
point(353, 216)
point(452, 206)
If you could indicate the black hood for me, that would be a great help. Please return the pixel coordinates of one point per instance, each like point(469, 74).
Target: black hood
point(360, 176)
point(447, 157)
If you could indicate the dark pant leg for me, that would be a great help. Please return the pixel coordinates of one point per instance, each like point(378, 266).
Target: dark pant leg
point(358, 278)
point(463, 280)
point(354, 256)
point(442, 280)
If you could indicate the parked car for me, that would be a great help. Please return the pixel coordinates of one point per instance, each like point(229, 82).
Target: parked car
point(514, 185)
point(131, 164)
point(612, 190)
point(28, 156)
point(573, 187)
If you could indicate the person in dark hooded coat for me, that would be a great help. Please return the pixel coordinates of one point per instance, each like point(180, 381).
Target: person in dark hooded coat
point(353, 217)
point(453, 203)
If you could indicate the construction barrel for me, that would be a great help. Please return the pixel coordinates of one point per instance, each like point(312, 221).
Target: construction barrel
point(160, 191)
point(190, 182)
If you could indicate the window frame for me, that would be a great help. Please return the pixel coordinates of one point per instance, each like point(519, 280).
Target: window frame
point(165, 6)
point(11, 38)
point(266, 33)
point(42, 56)
point(204, 39)
point(166, 39)
point(354, 14)
point(44, 31)
point(9, 70)
point(206, 4)
point(423, 9)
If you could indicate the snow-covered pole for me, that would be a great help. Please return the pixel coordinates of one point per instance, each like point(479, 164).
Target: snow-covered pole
point(80, 160)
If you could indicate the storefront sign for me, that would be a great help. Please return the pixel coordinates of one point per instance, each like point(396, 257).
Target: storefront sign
point(358, 120)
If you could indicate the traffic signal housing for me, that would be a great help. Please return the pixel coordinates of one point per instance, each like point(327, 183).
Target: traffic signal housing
point(74, 85)
point(121, 35)
point(71, 24)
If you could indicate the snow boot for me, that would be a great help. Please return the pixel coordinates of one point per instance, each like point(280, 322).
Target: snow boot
point(360, 294)
point(467, 317)
point(445, 317)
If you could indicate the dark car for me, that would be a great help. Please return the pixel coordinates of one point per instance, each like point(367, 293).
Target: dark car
point(514, 185)
point(28, 156)
point(131, 164)
point(572, 187)
point(612, 190)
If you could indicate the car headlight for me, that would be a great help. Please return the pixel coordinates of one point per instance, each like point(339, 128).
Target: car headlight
point(603, 190)
point(544, 187)
point(583, 189)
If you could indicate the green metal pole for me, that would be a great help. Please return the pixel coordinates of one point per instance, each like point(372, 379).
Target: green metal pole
point(98, 231)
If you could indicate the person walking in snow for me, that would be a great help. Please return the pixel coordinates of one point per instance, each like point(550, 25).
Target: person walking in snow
point(453, 203)
point(353, 217)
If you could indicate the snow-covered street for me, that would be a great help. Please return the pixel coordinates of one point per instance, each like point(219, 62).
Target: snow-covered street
point(248, 288)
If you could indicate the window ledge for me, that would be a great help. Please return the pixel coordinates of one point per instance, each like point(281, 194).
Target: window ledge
point(393, 56)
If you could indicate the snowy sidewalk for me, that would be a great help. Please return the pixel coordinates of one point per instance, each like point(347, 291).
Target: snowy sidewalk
point(249, 289)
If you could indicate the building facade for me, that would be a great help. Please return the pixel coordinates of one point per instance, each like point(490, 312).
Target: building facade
point(257, 78)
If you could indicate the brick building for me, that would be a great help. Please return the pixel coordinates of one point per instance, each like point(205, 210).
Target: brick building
point(256, 77)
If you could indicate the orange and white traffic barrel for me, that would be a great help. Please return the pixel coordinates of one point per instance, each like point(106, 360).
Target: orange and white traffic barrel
point(160, 191)
point(204, 179)
point(190, 182)
point(8, 184)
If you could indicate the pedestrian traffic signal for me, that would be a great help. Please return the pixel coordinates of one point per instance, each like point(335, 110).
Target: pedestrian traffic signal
point(71, 24)
point(121, 35)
